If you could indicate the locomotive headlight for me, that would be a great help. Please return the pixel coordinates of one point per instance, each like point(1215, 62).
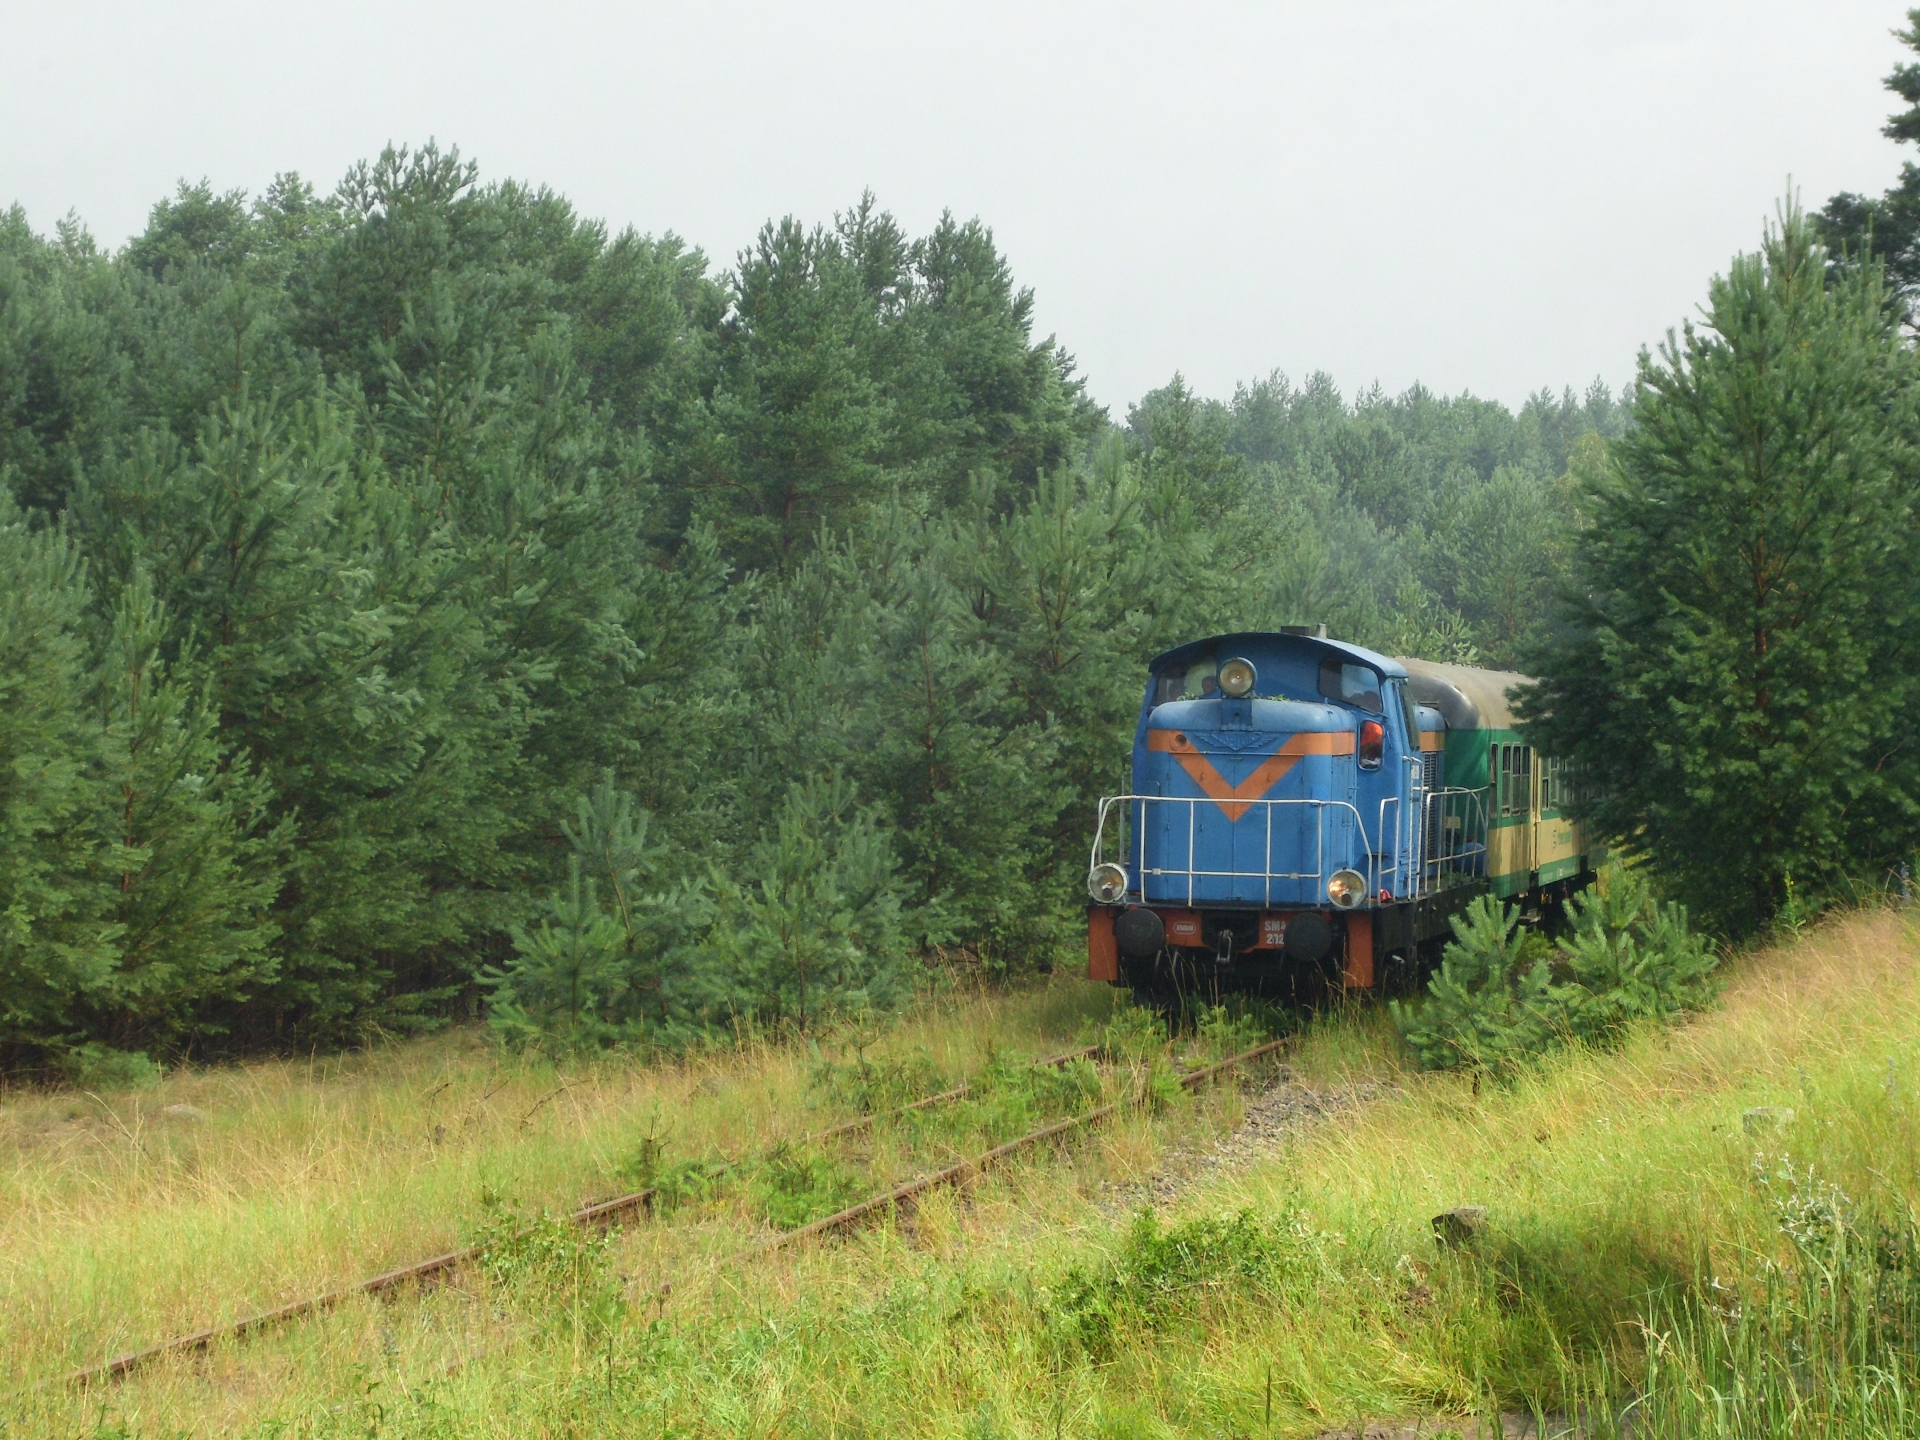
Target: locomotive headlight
point(1347, 888)
point(1237, 677)
point(1107, 884)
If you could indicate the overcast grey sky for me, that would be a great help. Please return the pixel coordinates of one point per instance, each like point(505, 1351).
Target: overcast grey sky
point(1488, 197)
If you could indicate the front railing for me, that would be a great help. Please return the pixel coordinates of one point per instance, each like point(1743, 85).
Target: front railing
point(1126, 817)
point(1437, 840)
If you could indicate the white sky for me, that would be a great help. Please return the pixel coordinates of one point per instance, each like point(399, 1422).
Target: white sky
point(1481, 196)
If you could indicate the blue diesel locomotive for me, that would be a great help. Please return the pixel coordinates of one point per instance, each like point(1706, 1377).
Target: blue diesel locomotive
point(1305, 808)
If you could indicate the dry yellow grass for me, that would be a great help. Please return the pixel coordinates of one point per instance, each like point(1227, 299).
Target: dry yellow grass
point(128, 1217)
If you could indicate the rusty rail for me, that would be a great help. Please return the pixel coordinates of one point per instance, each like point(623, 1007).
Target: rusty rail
point(954, 1174)
point(959, 1092)
point(601, 1212)
point(598, 1213)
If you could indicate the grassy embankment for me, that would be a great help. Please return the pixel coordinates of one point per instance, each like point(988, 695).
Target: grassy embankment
point(1031, 1305)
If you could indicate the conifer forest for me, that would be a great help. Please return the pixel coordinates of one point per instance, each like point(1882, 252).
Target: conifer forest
point(418, 599)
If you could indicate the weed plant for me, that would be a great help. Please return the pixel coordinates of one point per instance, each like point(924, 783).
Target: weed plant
point(552, 1269)
point(870, 1085)
point(1162, 1272)
point(796, 1183)
point(127, 1216)
point(1223, 1030)
point(793, 1182)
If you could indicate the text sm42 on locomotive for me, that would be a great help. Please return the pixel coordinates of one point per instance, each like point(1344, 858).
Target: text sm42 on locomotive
point(1305, 809)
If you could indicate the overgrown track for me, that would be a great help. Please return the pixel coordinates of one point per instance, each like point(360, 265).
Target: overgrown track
point(954, 1174)
point(959, 1092)
point(613, 1211)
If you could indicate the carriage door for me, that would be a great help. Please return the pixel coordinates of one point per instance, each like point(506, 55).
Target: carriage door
point(1538, 777)
point(1523, 801)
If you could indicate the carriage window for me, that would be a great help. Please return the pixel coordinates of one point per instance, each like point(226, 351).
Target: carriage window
point(1515, 768)
point(1355, 685)
point(1552, 795)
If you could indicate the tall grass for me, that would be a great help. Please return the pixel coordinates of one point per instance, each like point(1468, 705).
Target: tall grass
point(1637, 1249)
point(1825, 1346)
point(128, 1217)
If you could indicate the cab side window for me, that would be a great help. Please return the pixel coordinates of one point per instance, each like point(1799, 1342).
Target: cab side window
point(1350, 684)
point(1408, 713)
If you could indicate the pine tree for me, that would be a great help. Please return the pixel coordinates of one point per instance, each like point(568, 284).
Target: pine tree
point(1738, 672)
point(814, 926)
point(57, 937)
point(612, 958)
point(572, 973)
point(192, 860)
point(1492, 1001)
point(1628, 958)
point(419, 516)
point(1858, 228)
point(801, 421)
point(1502, 994)
point(62, 374)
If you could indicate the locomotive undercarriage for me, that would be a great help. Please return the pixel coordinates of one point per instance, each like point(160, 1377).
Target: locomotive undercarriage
point(1388, 949)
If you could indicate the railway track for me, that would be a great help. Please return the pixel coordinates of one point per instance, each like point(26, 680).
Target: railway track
point(956, 1174)
point(618, 1208)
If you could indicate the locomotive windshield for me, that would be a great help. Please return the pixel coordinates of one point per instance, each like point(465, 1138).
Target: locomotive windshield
point(1350, 684)
point(1198, 681)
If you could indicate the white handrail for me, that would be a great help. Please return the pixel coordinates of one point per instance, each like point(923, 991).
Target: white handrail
point(1456, 862)
point(1267, 875)
point(1424, 873)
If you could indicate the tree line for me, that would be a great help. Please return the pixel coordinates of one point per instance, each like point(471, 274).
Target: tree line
point(417, 597)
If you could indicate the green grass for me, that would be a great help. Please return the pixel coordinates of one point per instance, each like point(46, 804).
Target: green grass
point(1620, 1187)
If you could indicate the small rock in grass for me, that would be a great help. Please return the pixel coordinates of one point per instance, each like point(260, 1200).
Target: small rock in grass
point(1459, 1225)
point(1765, 1117)
point(186, 1112)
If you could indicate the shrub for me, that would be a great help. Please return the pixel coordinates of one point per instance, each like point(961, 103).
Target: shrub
point(99, 1067)
point(1491, 1000)
point(1502, 992)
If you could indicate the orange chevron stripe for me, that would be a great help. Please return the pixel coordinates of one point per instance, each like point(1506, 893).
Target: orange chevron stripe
point(1236, 800)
